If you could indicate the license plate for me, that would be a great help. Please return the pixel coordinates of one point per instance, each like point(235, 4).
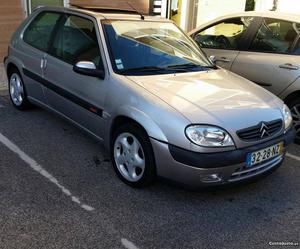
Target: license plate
point(264, 154)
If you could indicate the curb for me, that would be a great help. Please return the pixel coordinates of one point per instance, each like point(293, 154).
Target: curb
point(3, 87)
point(3, 92)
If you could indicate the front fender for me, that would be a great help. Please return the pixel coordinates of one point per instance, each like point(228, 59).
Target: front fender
point(11, 59)
point(152, 128)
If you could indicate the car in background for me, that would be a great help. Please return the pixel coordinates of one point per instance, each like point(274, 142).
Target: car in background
point(143, 88)
point(262, 47)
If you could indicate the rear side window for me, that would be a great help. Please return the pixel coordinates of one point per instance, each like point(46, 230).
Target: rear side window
point(38, 33)
point(76, 40)
point(224, 35)
point(275, 36)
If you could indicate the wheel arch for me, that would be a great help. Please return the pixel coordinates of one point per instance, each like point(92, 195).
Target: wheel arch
point(10, 66)
point(133, 115)
point(292, 96)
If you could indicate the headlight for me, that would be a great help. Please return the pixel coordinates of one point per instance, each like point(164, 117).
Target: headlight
point(208, 136)
point(287, 117)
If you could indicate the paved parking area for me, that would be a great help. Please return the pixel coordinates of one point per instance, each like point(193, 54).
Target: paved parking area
point(58, 190)
point(3, 79)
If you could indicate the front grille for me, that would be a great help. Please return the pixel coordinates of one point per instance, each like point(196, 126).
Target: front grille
point(245, 172)
point(261, 131)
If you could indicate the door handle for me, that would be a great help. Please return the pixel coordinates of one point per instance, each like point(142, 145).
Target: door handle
point(43, 63)
point(223, 59)
point(289, 66)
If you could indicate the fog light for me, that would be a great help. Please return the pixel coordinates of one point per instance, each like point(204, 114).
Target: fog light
point(211, 178)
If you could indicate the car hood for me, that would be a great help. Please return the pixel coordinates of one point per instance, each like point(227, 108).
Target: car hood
point(216, 97)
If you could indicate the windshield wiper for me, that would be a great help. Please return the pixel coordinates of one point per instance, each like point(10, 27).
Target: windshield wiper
point(188, 66)
point(182, 66)
point(153, 69)
point(143, 69)
point(211, 66)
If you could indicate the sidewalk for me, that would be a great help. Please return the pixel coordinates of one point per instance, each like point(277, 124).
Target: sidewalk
point(3, 80)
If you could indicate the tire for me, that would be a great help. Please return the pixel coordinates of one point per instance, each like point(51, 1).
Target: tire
point(132, 156)
point(17, 92)
point(294, 106)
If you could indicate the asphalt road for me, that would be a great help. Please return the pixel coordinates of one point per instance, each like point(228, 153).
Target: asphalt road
point(58, 190)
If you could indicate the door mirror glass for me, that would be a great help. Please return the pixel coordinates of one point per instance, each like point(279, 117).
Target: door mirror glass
point(88, 68)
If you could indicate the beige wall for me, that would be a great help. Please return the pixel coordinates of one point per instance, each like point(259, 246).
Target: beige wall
point(141, 5)
point(288, 6)
point(11, 14)
point(209, 10)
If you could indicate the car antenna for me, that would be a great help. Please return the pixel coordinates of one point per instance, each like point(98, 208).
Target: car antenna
point(142, 16)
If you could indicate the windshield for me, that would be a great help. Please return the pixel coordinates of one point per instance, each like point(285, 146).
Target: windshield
point(144, 47)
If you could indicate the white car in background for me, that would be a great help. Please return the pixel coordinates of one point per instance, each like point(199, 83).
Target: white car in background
point(262, 47)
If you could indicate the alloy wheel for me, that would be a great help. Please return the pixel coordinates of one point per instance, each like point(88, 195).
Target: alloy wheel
point(16, 89)
point(129, 157)
point(296, 119)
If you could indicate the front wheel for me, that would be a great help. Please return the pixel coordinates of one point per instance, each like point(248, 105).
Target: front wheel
point(17, 91)
point(294, 106)
point(132, 156)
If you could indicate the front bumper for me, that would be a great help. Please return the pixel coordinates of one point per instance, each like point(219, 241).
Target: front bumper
point(212, 169)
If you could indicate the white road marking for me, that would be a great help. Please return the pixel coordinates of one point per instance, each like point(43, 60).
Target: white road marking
point(38, 168)
point(293, 156)
point(127, 244)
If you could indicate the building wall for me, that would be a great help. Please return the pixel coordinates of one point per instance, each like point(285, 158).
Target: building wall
point(264, 5)
point(11, 14)
point(201, 11)
point(141, 5)
point(209, 10)
point(289, 6)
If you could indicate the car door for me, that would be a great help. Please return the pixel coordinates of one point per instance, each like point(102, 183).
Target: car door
point(223, 39)
point(78, 97)
point(271, 59)
point(34, 47)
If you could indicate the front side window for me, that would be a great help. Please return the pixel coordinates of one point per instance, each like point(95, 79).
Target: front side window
point(224, 35)
point(296, 49)
point(38, 33)
point(143, 47)
point(275, 36)
point(76, 40)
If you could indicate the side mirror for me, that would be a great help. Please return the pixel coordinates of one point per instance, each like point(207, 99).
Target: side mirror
point(213, 59)
point(88, 68)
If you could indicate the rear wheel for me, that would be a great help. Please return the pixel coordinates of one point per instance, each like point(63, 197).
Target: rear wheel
point(294, 106)
point(132, 156)
point(17, 90)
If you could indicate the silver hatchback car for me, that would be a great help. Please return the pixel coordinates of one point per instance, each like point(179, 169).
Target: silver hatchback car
point(144, 88)
point(263, 47)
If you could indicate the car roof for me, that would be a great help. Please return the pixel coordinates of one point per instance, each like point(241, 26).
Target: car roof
point(268, 14)
point(105, 13)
